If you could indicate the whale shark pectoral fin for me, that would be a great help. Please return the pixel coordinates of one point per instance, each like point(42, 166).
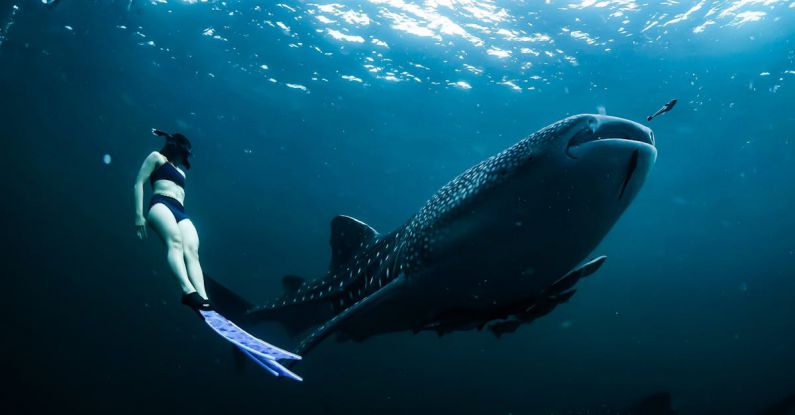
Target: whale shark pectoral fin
point(504, 327)
point(578, 273)
point(556, 294)
point(537, 309)
point(325, 329)
point(348, 235)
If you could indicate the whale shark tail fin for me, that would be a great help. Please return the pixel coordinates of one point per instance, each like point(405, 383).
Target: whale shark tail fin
point(227, 302)
point(295, 319)
point(305, 306)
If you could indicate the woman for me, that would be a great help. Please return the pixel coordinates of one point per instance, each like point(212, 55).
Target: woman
point(167, 216)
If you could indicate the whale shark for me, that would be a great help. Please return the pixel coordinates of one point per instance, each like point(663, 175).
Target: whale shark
point(497, 247)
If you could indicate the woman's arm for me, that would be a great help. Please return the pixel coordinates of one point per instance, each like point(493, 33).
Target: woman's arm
point(147, 168)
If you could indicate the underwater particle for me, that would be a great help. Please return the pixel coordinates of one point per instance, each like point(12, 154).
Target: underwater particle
point(10, 22)
point(743, 286)
point(679, 200)
point(106, 159)
point(601, 109)
point(69, 28)
point(566, 324)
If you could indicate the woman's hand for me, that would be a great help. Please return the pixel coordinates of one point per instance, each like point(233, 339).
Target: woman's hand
point(140, 227)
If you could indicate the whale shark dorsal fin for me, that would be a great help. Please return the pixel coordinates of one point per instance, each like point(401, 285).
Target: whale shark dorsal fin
point(347, 236)
point(292, 283)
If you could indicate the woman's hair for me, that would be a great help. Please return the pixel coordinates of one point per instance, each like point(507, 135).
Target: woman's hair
point(177, 149)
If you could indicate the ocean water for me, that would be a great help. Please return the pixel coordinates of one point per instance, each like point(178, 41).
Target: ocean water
point(300, 111)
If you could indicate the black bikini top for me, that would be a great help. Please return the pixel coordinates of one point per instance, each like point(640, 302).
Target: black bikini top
point(167, 171)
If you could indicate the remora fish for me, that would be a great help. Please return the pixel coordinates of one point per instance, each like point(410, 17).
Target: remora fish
point(499, 246)
point(665, 108)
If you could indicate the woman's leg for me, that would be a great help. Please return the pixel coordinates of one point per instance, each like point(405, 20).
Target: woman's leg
point(163, 222)
point(190, 244)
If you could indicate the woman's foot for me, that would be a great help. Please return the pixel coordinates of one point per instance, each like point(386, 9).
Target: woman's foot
point(196, 302)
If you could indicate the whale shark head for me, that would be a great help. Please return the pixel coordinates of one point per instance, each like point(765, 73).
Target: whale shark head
point(541, 205)
point(598, 144)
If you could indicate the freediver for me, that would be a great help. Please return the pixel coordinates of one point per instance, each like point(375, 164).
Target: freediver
point(166, 215)
point(665, 108)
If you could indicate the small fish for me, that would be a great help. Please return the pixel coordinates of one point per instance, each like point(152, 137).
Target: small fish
point(665, 108)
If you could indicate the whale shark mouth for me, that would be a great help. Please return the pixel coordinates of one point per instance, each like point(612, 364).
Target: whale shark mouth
point(631, 166)
point(601, 129)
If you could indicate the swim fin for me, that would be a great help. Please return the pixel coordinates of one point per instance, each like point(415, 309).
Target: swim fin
point(264, 354)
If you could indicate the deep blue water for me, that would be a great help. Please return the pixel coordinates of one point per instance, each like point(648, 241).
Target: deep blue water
point(301, 111)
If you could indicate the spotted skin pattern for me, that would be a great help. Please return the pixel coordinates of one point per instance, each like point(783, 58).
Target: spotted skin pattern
point(402, 252)
point(377, 263)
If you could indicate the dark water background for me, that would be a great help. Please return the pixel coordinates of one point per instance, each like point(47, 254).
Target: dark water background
point(695, 299)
